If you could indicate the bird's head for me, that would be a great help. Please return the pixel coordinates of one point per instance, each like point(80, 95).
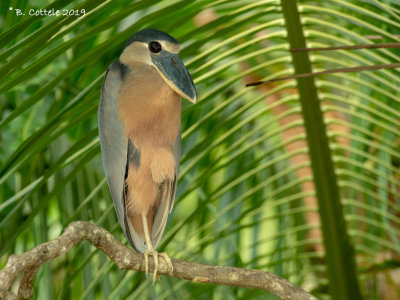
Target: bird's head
point(160, 50)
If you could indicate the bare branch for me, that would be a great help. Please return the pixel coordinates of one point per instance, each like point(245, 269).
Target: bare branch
point(26, 285)
point(125, 258)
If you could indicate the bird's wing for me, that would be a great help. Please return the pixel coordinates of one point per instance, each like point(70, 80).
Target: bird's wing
point(133, 160)
point(167, 197)
point(176, 149)
point(114, 144)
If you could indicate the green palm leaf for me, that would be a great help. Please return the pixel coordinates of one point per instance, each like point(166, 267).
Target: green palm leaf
point(266, 181)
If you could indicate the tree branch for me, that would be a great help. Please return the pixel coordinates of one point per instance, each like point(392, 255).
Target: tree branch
point(125, 258)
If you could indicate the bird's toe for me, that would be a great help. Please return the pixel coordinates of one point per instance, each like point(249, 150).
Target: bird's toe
point(168, 261)
point(155, 255)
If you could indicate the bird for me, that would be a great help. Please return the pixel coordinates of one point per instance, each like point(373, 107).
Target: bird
point(139, 120)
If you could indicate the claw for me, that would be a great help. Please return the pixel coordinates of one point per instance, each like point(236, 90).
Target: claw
point(167, 260)
point(155, 255)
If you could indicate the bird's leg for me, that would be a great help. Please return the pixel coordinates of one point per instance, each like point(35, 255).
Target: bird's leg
point(149, 248)
point(150, 251)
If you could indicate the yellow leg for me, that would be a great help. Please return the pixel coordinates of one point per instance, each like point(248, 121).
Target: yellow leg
point(150, 251)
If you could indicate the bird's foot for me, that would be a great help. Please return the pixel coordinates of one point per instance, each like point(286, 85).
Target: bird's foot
point(167, 260)
point(155, 255)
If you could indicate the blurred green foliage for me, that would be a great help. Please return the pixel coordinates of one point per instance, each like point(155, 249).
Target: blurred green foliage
point(244, 196)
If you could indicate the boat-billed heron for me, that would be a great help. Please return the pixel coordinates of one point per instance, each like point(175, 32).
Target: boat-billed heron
point(139, 125)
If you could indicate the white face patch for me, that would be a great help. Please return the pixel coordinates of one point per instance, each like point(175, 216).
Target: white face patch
point(139, 52)
point(170, 47)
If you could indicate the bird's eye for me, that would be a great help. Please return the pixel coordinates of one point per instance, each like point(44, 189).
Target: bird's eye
point(155, 47)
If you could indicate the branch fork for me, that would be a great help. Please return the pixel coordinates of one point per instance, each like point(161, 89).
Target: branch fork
point(29, 263)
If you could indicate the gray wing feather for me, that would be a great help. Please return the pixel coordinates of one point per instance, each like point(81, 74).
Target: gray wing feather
point(176, 148)
point(167, 197)
point(114, 144)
